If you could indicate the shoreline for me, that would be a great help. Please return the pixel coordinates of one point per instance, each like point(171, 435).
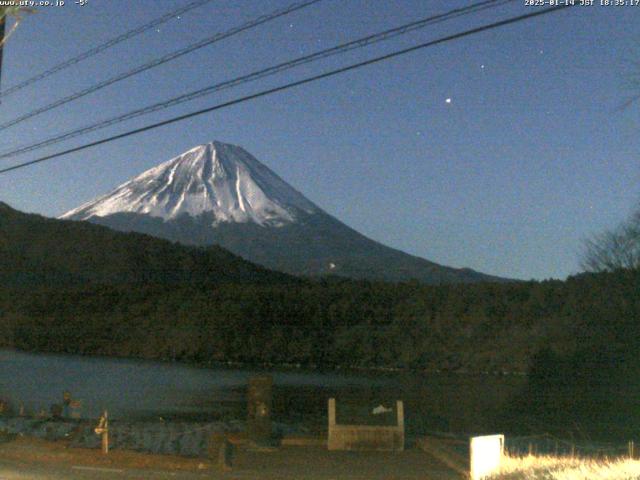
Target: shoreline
point(310, 368)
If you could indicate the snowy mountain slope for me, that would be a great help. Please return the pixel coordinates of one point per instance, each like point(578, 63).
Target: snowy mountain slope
point(219, 194)
point(214, 178)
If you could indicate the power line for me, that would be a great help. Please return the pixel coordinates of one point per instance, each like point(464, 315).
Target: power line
point(102, 47)
point(288, 86)
point(162, 60)
point(359, 43)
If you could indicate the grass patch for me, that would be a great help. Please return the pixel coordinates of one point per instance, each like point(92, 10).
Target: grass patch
point(566, 468)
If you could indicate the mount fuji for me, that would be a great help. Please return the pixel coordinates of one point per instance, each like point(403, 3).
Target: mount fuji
point(220, 194)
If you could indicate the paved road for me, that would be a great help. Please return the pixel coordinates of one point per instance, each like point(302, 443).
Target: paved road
point(11, 470)
point(18, 471)
point(287, 463)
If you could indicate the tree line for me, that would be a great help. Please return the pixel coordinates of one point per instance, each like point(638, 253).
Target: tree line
point(330, 322)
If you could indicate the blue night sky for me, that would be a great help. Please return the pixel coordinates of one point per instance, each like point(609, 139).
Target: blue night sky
point(532, 154)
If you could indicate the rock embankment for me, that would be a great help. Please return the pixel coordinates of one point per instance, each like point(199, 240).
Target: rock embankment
point(188, 439)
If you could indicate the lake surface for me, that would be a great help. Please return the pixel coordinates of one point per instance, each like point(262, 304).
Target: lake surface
point(134, 389)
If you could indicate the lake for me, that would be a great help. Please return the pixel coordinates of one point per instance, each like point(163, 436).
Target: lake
point(136, 389)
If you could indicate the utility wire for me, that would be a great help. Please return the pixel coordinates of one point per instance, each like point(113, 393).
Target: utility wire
point(162, 60)
point(288, 86)
point(339, 49)
point(102, 47)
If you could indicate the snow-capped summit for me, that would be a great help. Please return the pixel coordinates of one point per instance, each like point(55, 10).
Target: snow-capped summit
point(217, 178)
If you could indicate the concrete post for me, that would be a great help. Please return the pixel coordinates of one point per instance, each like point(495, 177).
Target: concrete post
point(259, 399)
point(331, 434)
point(332, 412)
point(400, 413)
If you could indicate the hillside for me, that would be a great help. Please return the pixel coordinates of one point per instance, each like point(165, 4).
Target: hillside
point(35, 250)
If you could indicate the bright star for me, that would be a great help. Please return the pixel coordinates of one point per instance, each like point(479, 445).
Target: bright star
point(448, 100)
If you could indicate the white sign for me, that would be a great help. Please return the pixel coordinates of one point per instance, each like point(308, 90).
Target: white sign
point(486, 455)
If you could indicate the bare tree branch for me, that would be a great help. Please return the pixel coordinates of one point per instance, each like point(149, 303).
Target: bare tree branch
point(16, 13)
point(616, 249)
